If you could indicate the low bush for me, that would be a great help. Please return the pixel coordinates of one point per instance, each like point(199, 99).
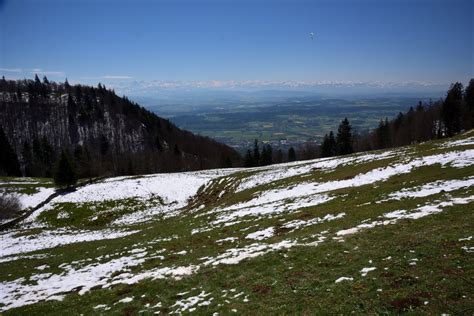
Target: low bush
point(10, 206)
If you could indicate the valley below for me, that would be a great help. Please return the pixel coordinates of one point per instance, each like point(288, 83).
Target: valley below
point(281, 122)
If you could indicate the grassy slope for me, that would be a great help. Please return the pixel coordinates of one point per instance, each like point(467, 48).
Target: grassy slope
point(300, 279)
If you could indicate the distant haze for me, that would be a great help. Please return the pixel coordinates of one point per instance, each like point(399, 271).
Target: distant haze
point(158, 92)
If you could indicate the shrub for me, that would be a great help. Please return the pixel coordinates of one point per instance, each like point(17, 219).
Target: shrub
point(65, 175)
point(10, 206)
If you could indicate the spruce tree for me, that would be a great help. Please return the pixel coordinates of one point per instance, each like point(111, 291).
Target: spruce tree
point(27, 159)
point(383, 134)
point(65, 175)
point(82, 161)
point(48, 155)
point(279, 156)
point(9, 164)
point(291, 154)
point(328, 146)
point(344, 138)
point(451, 110)
point(269, 154)
point(266, 157)
point(469, 100)
point(248, 161)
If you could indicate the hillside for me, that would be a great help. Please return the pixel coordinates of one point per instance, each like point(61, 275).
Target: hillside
point(105, 133)
point(376, 232)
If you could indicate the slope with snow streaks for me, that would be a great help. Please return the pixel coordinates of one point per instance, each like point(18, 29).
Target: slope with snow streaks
point(228, 238)
point(174, 189)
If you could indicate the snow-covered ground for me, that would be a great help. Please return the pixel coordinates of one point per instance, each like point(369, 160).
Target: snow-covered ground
point(29, 200)
point(173, 188)
point(13, 243)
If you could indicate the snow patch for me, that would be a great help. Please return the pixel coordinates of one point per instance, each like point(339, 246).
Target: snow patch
point(344, 279)
point(364, 271)
point(261, 234)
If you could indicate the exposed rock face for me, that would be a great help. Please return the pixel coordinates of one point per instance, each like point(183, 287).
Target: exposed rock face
point(109, 127)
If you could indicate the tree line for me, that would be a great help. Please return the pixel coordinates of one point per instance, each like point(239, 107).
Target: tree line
point(426, 121)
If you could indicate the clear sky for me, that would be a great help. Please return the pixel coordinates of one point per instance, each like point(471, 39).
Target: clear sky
point(390, 41)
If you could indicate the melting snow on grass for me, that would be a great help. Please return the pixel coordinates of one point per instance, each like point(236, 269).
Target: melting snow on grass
point(190, 303)
point(364, 271)
point(287, 170)
point(344, 279)
point(31, 200)
point(236, 255)
point(125, 300)
point(173, 188)
point(261, 234)
point(417, 213)
point(296, 224)
point(311, 194)
point(433, 188)
point(12, 243)
point(461, 142)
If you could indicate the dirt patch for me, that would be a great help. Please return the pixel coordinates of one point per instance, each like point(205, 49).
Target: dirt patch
point(279, 230)
point(261, 289)
point(130, 310)
point(404, 280)
point(406, 303)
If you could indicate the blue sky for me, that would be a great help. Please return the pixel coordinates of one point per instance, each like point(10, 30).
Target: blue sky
point(234, 41)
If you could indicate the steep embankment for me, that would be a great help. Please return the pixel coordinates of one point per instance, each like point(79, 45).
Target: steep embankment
point(375, 232)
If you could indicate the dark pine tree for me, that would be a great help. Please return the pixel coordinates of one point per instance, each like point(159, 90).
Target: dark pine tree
point(269, 154)
point(383, 134)
point(9, 164)
point(176, 150)
point(226, 162)
point(248, 161)
point(291, 154)
point(266, 157)
point(279, 156)
point(27, 159)
point(451, 110)
point(48, 156)
point(344, 138)
point(469, 100)
point(65, 175)
point(328, 146)
point(104, 145)
point(37, 82)
point(83, 162)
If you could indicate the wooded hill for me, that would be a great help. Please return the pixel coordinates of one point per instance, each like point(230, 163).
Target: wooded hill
point(105, 134)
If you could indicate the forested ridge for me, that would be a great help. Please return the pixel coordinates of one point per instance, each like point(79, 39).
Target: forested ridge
point(103, 133)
